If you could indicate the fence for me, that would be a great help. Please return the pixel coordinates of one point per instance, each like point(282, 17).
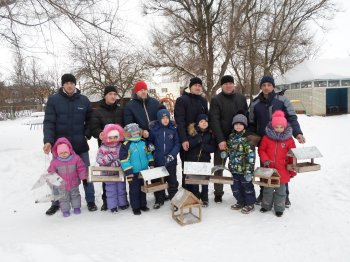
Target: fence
point(13, 112)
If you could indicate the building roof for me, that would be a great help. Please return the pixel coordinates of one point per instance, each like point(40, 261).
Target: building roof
point(322, 69)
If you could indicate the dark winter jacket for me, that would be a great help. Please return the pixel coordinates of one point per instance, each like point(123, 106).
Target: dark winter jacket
point(105, 114)
point(223, 107)
point(240, 153)
point(166, 142)
point(202, 143)
point(141, 112)
point(187, 108)
point(274, 148)
point(261, 110)
point(68, 116)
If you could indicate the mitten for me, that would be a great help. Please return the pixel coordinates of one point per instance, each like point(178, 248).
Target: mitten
point(150, 147)
point(169, 158)
point(267, 163)
point(85, 182)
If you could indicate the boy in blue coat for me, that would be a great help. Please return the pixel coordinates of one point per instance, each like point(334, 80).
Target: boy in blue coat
point(164, 137)
point(134, 157)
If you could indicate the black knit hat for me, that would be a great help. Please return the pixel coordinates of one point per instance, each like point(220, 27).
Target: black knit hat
point(226, 79)
point(267, 79)
point(202, 117)
point(68, 78)
point(109, 89)
point(195, 80)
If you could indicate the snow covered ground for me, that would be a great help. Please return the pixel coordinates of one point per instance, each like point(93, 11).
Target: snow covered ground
point(315, 228)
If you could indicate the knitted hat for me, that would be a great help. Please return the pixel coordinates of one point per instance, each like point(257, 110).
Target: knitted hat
point(240, 118)
point(195, 80)
point(62, 148)
point(202, 117)
point(161, 113)
point(278, 119)
point(140, 85)
point(267, 79)
point(112, 130)
point(226, 79)
point(68, 78)
point(109, 89)
point(132, 128)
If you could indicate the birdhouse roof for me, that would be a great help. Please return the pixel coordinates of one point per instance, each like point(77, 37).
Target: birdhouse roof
point(154, 173)
point(306, 152)
point(184, 197)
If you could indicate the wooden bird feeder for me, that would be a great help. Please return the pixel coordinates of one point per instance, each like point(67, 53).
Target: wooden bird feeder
point(303, 153)
point(154, 173)
point(220, 179)
point(183, 204)
point(197, 173)
point(95, 174)
point(268, 177)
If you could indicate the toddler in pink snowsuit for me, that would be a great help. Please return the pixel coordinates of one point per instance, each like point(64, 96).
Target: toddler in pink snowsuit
point(108, 155)
point(69, 166)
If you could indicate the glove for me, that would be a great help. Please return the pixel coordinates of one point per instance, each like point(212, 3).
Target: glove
point(223, 154)
point(267, 163)
point(150, 147)
point(169, 158)
point(85, 182)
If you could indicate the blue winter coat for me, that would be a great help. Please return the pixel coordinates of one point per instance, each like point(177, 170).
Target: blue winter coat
point(68, 116)
point(166, 142)
point(261, 110)
point(134, 156)
point(135, 111)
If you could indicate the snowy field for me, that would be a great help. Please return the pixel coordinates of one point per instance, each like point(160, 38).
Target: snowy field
point(315, 228)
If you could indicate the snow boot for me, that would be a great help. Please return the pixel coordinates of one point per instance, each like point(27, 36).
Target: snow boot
point(124, 207)
point(104, 206)
point(114, 210)
point(218, 199)
point(263, 210)
point(205, 203)
point(91, 206)
point(136, 211)
point(287, 203)
point(247, 209)
point(53, 209)
point(279, 214)
point(237, 206)
point(258, 200)
point(77, 210)
point(144, 209)
point(66, 214)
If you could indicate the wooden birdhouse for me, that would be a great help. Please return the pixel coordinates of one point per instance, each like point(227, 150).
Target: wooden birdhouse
point(95, 174)
point(220, 179)
point(197, 173)
point(268, 177)
point(154, 173)
point(186, 208)
point(303, 153)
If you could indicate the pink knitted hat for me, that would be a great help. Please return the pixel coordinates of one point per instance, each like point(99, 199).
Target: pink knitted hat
point(278, 119)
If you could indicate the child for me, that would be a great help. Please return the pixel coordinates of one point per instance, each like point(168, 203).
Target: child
point(108, 155)
point(71, 169)
point(135, 157)
point(241, 164)
point(164, 137)
point(202, 143)
point(273, 151)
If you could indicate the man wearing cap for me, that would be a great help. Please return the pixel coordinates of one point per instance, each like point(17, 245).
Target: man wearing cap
point(261, 110)
point(108, 112)
point(67, 114)
point(187, 107)
point(142, 109)
point(223, 107)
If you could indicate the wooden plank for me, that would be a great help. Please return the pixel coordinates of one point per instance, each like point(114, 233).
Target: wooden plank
point(106, 178)
point(196, 180)
point(93, 177)
point(154, 187)
point(221, 180)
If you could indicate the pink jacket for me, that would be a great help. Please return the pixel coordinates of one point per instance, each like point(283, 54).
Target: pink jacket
point(72, 169)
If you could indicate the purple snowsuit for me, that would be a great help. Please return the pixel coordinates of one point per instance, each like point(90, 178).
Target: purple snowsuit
point(108, 155)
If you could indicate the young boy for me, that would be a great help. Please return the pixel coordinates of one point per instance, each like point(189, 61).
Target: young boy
point(135, 157)
point(241, 164)
point(273, 151)
point(164, 137)
point(202, 144)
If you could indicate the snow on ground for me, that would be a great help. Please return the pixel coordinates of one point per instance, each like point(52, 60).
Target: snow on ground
point(315, 228)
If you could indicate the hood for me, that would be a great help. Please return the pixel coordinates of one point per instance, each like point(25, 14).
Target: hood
point(62, 140)
point(109, 128)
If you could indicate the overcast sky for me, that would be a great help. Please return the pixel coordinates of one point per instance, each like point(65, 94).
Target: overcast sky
point(334, 43)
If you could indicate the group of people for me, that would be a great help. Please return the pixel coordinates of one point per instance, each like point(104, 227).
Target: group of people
point(151, 139)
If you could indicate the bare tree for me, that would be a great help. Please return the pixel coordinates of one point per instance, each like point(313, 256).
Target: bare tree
point(102, 61)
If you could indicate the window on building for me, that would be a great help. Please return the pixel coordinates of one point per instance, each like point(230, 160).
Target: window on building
point(295, 86)
point(306, 85)
point(322, 83)
point(333, 83)
point(345, 82)
point(152, 91)
point(164, 90)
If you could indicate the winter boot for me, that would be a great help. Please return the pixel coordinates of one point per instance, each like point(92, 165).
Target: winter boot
point(263, 210)
point(144, 209)
point(104, 206)
point(53, 209)
point(91, 206)
point(77, 210)
point(258, 200)
point(124, 207)
point(205, 203)
point(237, 206)
point(136, 211)
point(279, 214)
point(218, 199)
point(66, 214)
point(287, 203)
point(247, 209)
point(114, 210)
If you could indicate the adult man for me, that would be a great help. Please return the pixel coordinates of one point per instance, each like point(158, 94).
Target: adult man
point(223, 107)
point(261, 110)
point(108, 112)
point(67, 115)
point(187, 107)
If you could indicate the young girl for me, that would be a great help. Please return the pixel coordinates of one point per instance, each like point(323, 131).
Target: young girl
point(273, 151)
point(108, 155)
point(202, 143)
point(71, 169)
point(135, 157)
point(164, 137)
point(241, 164)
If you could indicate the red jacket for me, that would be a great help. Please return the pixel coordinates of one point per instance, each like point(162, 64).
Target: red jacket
point(275, 149)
